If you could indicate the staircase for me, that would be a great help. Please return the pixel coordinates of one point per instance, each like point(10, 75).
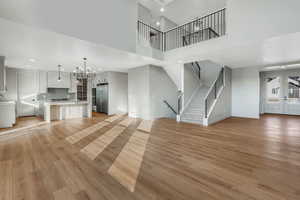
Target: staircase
point(195, 111)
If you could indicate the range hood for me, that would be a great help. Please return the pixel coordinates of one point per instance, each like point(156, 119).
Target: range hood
point(2, 75)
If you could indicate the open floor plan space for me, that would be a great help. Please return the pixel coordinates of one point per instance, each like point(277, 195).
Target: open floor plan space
point(234, 159)
point(150, 100)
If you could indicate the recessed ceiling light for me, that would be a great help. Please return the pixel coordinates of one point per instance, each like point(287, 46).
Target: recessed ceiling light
point(157, 23)
point(273, 67)
point(32, 60)
point(162, 9)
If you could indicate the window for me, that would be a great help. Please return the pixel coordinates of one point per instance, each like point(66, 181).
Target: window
point(273, 89)
point(294, 87)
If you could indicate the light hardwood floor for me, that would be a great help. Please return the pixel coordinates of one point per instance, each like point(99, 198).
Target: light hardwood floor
point(23, 122)
point(237, 159)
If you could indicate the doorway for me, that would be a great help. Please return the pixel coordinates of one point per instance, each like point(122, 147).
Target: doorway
point(281, 92)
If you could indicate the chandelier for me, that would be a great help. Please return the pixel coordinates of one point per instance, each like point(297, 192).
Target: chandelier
point(84, 72)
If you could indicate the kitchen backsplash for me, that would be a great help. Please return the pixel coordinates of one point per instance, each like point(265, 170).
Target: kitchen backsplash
point(57, 93)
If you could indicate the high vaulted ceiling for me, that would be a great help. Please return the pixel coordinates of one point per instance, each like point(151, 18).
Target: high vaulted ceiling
point(183, 11)
point(32, 48)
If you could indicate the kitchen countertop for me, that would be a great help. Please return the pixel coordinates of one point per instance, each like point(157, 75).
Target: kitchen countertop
point(61, 103)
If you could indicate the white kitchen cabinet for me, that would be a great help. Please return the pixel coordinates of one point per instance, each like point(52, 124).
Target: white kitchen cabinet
point(43, 83)
point(2, 75)
point(8, 114)
point(53, 80)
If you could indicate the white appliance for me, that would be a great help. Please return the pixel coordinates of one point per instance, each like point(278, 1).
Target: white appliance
point(7, 114)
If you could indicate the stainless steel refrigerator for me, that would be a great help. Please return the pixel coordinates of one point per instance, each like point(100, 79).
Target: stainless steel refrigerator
point(102, 98)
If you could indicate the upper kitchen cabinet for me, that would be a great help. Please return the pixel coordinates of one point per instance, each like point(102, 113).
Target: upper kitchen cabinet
point(2, 75)
point(53, 82)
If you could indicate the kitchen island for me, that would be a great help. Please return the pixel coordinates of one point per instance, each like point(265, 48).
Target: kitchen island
point(61, 110)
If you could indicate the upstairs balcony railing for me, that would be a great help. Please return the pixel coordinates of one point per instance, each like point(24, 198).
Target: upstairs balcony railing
point(204, 28)
point(150, 36)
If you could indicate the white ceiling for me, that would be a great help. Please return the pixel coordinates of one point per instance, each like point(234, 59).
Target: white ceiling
point(183, 11)
point(279, 50)
point(20, 43)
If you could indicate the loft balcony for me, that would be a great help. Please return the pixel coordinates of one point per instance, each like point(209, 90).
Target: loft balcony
point(202, 29)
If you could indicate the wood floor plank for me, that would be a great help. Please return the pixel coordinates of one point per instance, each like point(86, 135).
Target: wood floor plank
point(86, 132)
point(6, 180)
point(97, 146)
point(126, 122)
point(226, 161)
point(114, 118)
point(146, 125)
point(126, 167)
point(64, 194)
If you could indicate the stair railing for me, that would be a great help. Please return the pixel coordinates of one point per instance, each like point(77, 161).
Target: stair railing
point(204, 28)
point(169, 106)
point(212, 94)
point(201, 29)
point(150, 35)
point(198, 68)
point(179, 104)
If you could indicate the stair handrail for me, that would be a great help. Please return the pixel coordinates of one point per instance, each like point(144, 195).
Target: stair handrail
point(170, 107)
point(199, 68)
point(179, 103)
point(214, 89)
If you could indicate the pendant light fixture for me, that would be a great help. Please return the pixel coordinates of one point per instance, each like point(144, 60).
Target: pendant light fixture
point(84, 72)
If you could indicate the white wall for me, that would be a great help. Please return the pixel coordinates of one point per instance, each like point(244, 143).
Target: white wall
point(245, 92)
point(139, 92)
point(111, 23)
point(166, 24)
point(176, 72)
point(145, 15)
point(257, 19)
point(150, 18)
point(148, 86)
point(161, 88)
point(209, 72)
point(118, 92)
point(184, 11)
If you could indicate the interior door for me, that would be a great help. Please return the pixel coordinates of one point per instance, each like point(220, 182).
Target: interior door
point(282, 92)
point(27, 93)
point(292, 92)
point(273, 101)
